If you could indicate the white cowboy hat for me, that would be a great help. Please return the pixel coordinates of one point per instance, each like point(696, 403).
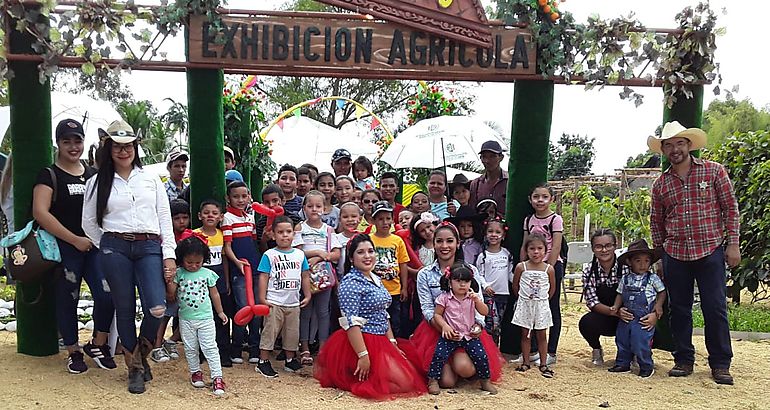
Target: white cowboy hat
point(674, 129)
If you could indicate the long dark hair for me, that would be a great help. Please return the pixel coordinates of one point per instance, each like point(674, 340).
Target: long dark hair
point(417, 240)
point(106, 175)
point(352, 246)
point(485, 244)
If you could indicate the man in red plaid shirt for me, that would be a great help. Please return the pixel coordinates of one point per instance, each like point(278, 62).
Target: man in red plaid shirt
point(695, 224)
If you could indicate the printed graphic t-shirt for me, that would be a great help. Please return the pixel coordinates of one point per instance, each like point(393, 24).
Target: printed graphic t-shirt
point(285, 281)
point(540, 225)
point(391, 252)
point(67, 207)
point(193, 293)
point(215, 243)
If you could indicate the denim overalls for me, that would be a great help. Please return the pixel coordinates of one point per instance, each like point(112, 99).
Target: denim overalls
point(631, 339)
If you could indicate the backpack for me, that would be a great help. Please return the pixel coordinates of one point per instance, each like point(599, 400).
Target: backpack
point(564, 247)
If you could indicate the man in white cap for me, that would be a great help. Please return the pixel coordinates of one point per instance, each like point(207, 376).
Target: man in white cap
point(695, 224)
point(176, 164)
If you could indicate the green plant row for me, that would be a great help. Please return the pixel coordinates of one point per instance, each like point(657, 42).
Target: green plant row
point(742, 318)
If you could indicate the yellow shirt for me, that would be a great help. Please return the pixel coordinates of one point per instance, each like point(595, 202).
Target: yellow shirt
point(215, 243)
point(363, 226)
point(391, 252)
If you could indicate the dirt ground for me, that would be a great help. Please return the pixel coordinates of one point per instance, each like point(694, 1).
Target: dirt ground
point(30, 382)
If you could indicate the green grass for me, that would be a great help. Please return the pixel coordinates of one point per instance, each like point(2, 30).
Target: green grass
point(744, 318)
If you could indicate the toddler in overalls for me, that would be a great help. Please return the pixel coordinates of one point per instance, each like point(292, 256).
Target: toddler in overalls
point(639, 304)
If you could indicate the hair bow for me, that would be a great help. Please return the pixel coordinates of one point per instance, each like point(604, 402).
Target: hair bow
point(451, 226)
point(497, 219)
point(447, 272)
point(426, 217)
point(189, 233)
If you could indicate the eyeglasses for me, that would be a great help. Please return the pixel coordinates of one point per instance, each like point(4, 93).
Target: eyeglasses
point(607, 247)
point(368, 201)
point(116, 148)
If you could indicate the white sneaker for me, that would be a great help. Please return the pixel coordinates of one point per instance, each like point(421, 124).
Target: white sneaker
point(517, 359)
point(549, 361)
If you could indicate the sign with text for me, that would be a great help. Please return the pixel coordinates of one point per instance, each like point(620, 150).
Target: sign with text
point(356, 48)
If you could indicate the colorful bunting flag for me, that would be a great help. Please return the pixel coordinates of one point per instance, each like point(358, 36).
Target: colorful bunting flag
point(297, 112)
point(341, 104)
point(359, 111)
point(280, 124)
point(249, 82)
point(314, 102)
point(375, 123)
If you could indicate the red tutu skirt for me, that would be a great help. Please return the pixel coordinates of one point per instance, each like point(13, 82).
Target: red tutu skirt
point(390, 374)
point(424, 341)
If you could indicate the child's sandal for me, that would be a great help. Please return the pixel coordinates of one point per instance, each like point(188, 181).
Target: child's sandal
point(546, 372)
point(523, 368)
point(306, 359)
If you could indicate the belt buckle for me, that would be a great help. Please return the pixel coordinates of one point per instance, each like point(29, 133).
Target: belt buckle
point(129, 237)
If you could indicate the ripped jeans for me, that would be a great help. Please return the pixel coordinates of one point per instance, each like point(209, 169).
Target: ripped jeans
point(128, 266)
point(77, 267)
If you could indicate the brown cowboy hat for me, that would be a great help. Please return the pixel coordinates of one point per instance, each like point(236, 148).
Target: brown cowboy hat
point(635, 248)
point(459, 179)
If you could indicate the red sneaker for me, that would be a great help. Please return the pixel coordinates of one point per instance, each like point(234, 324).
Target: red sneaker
point(196, 379)
point(218, 386)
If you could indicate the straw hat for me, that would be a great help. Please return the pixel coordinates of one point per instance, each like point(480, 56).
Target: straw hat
point(674, 129)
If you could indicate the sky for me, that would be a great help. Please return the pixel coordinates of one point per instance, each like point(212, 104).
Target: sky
point(620, 130)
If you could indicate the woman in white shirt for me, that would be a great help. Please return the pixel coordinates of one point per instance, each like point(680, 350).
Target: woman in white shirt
point(126, 215)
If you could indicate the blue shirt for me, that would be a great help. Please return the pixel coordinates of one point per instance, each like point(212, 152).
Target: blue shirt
point(428, 289)
point(440, 209)
point(654, 285)
point(364, 303)
point(294, 205)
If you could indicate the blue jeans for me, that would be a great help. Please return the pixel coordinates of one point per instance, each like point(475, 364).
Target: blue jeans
point(238, 286)
point(445, 348)
point(679, 277)
point(633, 341)
point(78, 266)
point(394, 310)
point(128, 266)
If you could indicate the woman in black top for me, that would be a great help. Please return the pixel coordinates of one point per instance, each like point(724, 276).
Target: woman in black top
point(57, 207)
point(600, 284)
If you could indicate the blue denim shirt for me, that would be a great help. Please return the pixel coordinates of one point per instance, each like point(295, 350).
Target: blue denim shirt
point(364, 303)
point(428, 289)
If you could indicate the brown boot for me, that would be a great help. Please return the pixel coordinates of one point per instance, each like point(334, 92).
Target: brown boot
point(145, 347)
point(135, 369)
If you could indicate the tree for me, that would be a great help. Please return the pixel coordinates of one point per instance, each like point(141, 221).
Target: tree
point(573, 156)
point(647, 159)
point(104, 84)
point(723, 119)
point(156, 130)
point(745, 156)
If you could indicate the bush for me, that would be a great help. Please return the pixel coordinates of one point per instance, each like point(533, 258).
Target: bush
point(744, 318)
point(746, 158)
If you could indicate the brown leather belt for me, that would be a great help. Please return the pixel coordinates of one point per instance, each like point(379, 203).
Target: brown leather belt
point(131, 237)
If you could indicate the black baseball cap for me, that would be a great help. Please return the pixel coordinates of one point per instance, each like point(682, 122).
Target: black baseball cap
point(491, 146)
point(340, 154)
point(69, 127)
point(381, 206)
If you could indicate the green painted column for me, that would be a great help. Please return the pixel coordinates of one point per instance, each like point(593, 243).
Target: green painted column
point(30, 102)
point(527, 167)
point(689, 113)
point(206, 139)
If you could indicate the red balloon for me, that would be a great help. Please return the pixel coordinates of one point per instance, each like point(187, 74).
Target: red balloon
point(243, 316)
point(260, 310)
point(270, 213)
point(246, 313)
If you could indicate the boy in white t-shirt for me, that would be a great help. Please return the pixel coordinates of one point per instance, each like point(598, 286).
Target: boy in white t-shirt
point(283, 271)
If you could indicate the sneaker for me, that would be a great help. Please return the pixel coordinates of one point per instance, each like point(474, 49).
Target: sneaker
point(218, 386)
point(597, 357)
point(292, 365)
point(75, 363)
point(61, 344)
point(680, 370)
point(722, 376)
point(549, 361)
point(266, 369)
point(253, 356)
point(516, 359)
point(646, 374)
point(225, 361)
point(100, 355)
point(196, 379)
point(236, 360)
point(619, 369)
point(159, 355)
point(169, 346)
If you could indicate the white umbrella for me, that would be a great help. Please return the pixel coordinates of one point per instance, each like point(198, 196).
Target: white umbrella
point(304, 140)
point(440, 141)
point(451, 172)
point(93, 114)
